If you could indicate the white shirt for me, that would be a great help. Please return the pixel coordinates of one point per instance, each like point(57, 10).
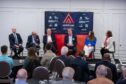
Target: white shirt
point(49, 39)
point(70, 40)
point(33, 39)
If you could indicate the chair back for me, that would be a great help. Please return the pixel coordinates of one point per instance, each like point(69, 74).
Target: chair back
point(109, 73)
point(41, 73)
point(52, 63)
point(4, 69)
point(59, 66)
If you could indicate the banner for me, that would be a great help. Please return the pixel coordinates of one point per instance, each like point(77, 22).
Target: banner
point(80, 22)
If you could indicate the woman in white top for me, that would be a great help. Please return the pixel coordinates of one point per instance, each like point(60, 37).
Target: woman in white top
point(107, 45)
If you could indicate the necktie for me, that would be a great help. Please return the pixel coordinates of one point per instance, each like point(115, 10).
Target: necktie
point(16, 40)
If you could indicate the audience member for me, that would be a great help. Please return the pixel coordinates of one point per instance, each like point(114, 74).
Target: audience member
point(107, 62)
point(4, 56)
point(101, 73)
point(67, 74)
point(122, 79)
point(21, 77)
point(15, 42)
point(70, 40)
point(31, 62)
point(49, 38)
point(89, 43)
point(33, 41)
point(47, 56)
point(63, 57)
point(107, 44)
point(81, 68)
point(70, 57)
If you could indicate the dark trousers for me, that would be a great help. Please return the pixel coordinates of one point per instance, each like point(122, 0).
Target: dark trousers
point(72, 49)
point(17, 51)
point(103, 51)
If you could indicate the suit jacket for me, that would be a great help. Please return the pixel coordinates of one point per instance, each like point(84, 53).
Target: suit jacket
point(74, 40)
point(12, 39)
point(109, 46)
point(30, 41)
point(81, 69)
point(109, 65)
point(64, 59)
point(45, 41)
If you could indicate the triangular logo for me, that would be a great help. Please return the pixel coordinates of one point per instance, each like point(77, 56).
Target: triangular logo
point(68, 19)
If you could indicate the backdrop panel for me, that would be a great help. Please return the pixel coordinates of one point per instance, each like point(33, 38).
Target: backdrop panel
point(80, 22)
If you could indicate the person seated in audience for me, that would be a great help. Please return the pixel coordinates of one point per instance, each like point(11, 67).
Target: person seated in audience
point(33, 41)
point(47, 56)
point(63, 57)
point(107, 44)
point(107, 62)
point(21, 77)
point(101, 73)
point(80, 66)
point(49, 38)
point(4, 56)
point(122, 79)
point(89, 43)
point(67, 74)
point(70, 40)
point(15, 42)
point(31, 62)
point(70, 57)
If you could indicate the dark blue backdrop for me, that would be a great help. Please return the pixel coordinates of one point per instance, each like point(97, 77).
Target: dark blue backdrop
point(80, 22)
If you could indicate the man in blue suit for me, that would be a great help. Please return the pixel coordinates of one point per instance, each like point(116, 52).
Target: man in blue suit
point(70, 40)
point(33, 41)
point(15, 42)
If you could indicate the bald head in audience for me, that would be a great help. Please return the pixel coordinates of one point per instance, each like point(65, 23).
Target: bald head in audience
point(64, 50)
point(22, 74)
point(68, 73)
point(101, 71)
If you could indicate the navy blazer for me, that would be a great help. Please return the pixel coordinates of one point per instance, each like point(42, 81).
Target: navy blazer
point(81, 69)
point(30, 41)
point(74, 40)
point(45, 41)
point(12, 39)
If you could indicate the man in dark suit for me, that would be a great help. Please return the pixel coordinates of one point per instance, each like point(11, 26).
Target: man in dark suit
point(15, 42)
point(80, 66)
point(33, 41)
point(48, 38)
point(106, 62)
point(70, 40)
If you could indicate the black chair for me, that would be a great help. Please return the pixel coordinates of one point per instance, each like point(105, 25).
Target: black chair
point(109, 73)
point(59, 66)
point(52, 63)
point(4, 73)
point(41, 73)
